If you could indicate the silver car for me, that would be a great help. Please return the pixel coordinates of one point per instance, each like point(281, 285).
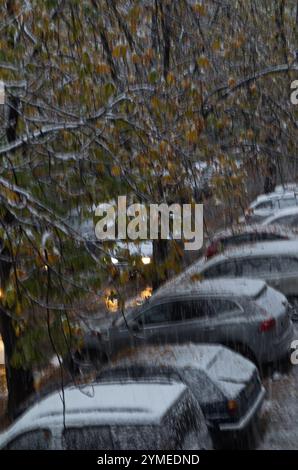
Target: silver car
point(275, 262)
point(246, 315)
point(288, 218)
point(266, 204)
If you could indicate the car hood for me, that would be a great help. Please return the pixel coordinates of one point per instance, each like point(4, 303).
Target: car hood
point(230, 371)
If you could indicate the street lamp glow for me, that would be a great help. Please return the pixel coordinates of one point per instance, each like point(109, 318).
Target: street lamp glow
point(146, 259)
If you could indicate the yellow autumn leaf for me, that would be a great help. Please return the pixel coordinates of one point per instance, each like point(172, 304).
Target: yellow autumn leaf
point(250, 134)
point(203, 61)
point(170, 78)
point(18, 309)
point(102, 68)
point(216, 45)
point(192, 136)
point(231, 82)
point(116, 52)
point(199, 8)
point(115, 171)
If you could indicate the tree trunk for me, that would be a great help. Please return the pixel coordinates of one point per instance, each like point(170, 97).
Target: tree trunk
point(19, 381)
point(160, 251)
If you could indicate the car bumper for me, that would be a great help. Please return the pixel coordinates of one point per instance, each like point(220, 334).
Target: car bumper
point(247, 418)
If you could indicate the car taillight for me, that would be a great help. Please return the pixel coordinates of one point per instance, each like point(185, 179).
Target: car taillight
point(232, 406)
point(267, 325)
point(212, 249)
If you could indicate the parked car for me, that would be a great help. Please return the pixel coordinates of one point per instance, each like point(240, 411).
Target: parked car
point(243, 234)
point(276, 262)
point(284, 217)
point(226, 385)
point(266, 204)
point(245, 315)
point(115, 415)
point(281, 188)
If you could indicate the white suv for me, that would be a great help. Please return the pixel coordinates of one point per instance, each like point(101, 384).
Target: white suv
point(266, 204)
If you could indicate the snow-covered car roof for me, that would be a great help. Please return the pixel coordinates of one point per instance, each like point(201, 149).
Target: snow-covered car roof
point(238, 287)
point(272, 196)
point(102, 404)
point(225, 368)
point(269, 248)
point(278, 214)
point(281, 188)
point(255, 228)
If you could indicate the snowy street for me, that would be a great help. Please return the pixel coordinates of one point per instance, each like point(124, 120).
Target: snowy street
point(280, 412)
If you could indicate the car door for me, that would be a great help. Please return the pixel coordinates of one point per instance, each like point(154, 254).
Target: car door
point(194, 320)
point(225, 318)
point(157, 325)
point(178, 321)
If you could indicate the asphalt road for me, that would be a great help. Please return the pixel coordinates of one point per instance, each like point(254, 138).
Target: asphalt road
point(279, 420)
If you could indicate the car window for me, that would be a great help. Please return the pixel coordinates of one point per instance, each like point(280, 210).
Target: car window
point(289, 264)
point(264, 205)
point(252, 266)
point(177, 311)
point(155, 314)
point(191, 309)
point(225, 268)
point(236, 240)
point(287, 202)
point(223, 306)
point(269, 236)
point(38, 439)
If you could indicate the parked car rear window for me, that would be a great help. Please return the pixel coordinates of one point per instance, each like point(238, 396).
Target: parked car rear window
point(223, 306)
point(38, 439)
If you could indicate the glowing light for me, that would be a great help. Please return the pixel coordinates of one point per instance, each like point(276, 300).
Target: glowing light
point(146, 293)
point(146, 259)
point(114, 260)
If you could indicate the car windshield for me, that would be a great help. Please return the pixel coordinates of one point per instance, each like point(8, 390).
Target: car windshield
point(141, 372)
